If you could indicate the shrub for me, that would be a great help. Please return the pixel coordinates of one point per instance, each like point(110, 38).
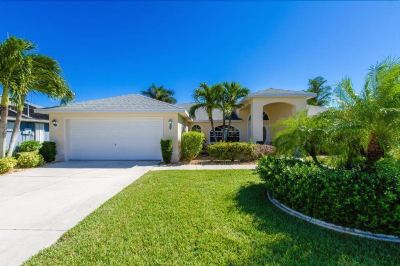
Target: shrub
point(48, 151)
point(260, 150)
point(353, 198)
point(166, 150)
point(29, 145)
point(29, 159)
point(7, 164)
point(191, 145)
point(231, 151)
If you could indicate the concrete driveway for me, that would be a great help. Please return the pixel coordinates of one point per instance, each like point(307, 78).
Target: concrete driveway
point(38, 205)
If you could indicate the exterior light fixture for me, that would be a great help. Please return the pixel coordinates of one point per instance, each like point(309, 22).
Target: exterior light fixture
point(170, 124)
point(54, 122)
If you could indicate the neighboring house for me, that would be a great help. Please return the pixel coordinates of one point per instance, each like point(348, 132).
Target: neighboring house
point(130, 127)
point(34, 126)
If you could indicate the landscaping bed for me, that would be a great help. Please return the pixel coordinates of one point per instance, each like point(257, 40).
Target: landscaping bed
point(205, 218)
point(359, 198)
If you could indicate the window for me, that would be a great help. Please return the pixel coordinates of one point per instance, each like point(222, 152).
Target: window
point(233, 134)
point(196, 128)
point(265, 116)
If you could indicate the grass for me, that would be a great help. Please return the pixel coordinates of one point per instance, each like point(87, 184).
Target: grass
point(205, 218)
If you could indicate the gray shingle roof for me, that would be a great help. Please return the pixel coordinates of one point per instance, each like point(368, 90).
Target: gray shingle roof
point(280, 93)
point(125, 103)
point(201, 114)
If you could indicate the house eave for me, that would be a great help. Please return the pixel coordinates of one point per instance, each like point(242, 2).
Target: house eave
point(49, 111)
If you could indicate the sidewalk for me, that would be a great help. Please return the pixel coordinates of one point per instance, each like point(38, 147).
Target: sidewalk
point(204, 167)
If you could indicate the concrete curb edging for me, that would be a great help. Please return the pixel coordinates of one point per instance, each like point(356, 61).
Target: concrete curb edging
point(337, 228)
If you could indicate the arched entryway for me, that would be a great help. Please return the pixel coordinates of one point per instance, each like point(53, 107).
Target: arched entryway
point(266, 128)
point(276, 111)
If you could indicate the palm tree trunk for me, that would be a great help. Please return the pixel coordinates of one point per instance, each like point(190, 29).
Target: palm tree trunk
point(312, 151)
point(229, 124)
point(3, 120)
point(223, 125)
point(15, 134)
point(374, 150)
point(212, 128)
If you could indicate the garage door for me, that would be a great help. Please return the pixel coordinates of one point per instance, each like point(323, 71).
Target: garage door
point(114, 139)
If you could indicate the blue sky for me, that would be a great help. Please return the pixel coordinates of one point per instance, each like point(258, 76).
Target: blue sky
point(114, 48)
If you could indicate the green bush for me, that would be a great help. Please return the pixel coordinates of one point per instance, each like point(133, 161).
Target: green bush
point(29, 159)
point(166, 150)
point(191, 145)
point(353, 198)
point(7, 164)
point(29, 145)
point(260, 150)
point(231, 151)
point(48, 151)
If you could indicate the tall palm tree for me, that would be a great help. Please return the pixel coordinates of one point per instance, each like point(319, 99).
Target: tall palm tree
point(374, 115)
point(12, 52)
point(160, 93)
point(206, 97)
point(233, 93)
point(318, 85)
point(39, 74)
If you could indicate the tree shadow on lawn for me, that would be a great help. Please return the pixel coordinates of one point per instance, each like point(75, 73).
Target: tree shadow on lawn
point(288, 240)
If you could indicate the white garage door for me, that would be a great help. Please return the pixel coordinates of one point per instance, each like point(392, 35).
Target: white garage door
point(114, 139)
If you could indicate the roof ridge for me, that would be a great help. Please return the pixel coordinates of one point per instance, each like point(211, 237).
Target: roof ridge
point(124, 95)
point(147, 97)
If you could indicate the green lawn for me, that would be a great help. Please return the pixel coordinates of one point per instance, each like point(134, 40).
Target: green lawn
point(205, 218)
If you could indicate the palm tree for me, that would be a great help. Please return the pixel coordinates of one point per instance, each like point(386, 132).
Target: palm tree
point(206, 97)
point(12, 52)
point(318, 85)
point(233, 94)
point(374, 115)
point(160, 93)
point(301, 133)
point(39, 74)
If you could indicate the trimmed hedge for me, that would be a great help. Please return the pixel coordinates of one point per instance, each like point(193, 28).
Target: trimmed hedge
point(48, 151)
point(191, 145)
point(166, 150)
point(7, 164)
point(241, 151)
point(353, 198)
point(29, 145)
point(29, 159)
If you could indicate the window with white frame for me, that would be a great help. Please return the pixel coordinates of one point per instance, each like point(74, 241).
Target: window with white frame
point(232, 133)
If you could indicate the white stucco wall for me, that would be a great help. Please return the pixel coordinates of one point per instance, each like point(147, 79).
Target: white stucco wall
point(58, 134)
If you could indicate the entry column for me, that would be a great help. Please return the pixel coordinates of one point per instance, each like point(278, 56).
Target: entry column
point(256, 120)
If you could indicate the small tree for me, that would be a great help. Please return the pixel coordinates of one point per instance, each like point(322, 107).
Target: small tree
point(372, 117)
point(233, 94)
point(206, 98)
point(37, 73)
point(12, 52)
point(324, 92)
point(301, 133)
point(160, 93)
